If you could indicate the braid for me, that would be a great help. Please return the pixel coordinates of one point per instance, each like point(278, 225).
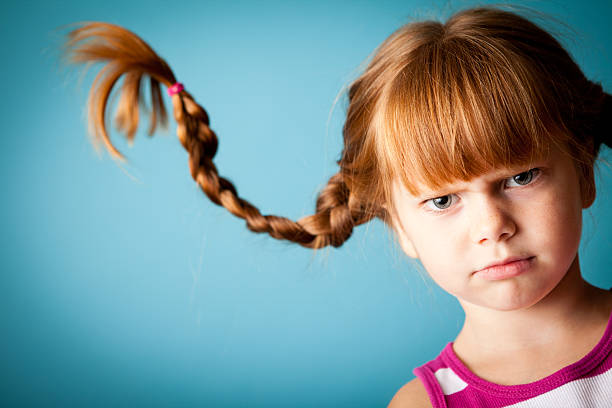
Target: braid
point(337, 211)
point(124, 53)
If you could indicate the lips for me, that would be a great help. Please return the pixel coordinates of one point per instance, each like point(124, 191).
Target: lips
point(506, 268)
point(505, 261)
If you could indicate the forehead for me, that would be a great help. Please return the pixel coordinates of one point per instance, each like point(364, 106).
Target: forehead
point(458, 111)
point(479, 181)
point(553, 157)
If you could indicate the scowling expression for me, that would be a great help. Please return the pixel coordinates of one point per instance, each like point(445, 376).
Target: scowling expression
point(527, 220)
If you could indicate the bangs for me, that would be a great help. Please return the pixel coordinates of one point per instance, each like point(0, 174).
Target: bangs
point(461, 107)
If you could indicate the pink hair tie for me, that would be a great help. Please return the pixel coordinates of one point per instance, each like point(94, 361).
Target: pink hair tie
point(176, 88)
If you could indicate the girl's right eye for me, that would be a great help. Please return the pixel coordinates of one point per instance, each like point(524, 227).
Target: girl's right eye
point(441, 203)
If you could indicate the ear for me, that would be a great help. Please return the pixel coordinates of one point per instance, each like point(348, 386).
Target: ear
point(406, 244)
point(400, 233)
point(404, 241)
point(588, 189)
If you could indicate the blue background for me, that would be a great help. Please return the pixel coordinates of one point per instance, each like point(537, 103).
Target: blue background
point(124, 286)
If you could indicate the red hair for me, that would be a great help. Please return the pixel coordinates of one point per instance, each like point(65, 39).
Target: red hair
point(438, 102)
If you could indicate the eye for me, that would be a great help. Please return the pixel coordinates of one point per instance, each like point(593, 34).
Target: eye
point(441, 203)
point(522, 179)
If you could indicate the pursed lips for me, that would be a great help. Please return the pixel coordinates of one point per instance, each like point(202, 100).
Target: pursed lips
point(504, 262)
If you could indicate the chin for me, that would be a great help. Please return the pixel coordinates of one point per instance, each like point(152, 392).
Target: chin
point(505, 300)
point(510, 307)
point(519, 303)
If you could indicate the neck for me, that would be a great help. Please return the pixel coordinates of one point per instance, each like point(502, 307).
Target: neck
point(573, 307)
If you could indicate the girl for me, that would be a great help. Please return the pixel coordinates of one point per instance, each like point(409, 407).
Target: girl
point(475, 140)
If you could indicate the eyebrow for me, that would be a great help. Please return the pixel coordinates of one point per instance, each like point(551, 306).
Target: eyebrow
point(428, 195)
point(460, 185)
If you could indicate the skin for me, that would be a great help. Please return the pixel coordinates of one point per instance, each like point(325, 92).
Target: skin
point(523, 328)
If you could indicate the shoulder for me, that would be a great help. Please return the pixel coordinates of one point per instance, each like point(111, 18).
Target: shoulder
point(411, 395)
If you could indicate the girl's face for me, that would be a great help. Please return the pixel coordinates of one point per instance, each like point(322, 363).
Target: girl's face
point(530, 215)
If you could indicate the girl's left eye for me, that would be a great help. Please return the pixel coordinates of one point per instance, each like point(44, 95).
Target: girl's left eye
point(522, 179)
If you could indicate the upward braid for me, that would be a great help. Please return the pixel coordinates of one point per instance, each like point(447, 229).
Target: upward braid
point(125, 54)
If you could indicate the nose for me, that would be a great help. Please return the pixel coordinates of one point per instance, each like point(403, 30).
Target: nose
point(491, 222)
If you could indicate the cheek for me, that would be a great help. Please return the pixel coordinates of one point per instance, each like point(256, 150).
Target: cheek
point(556, 224)
point(442, 255)
point(568, 228)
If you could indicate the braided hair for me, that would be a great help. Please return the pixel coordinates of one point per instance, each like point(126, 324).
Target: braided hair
point(436, 103)
point(126, 54)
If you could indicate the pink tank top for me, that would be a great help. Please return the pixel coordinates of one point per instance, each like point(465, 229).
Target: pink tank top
point(586, 383)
